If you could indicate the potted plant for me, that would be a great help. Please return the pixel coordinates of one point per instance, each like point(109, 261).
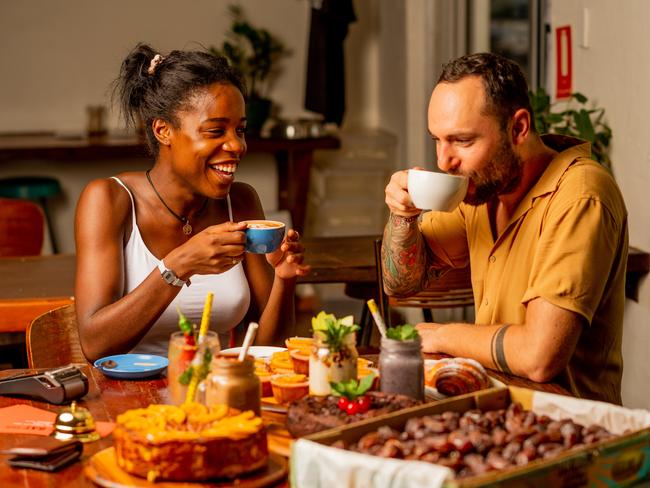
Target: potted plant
point(587, 124)
point(254, 52)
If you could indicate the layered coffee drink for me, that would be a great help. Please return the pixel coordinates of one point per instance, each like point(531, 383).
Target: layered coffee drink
point(264, 224)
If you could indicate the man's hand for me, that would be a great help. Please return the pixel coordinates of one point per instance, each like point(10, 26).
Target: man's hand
point(427, 331)
point(397, 198)
point(538, 349)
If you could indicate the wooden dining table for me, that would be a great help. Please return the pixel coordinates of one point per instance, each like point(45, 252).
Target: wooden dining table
point(107, 398)
point(35, 284)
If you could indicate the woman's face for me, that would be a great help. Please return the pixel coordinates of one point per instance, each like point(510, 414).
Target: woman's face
point(208, 144)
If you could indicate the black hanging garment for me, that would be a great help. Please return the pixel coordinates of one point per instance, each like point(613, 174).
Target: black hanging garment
point(325, 92)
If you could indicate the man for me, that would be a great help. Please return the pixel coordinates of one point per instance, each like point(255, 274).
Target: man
point(543, 227)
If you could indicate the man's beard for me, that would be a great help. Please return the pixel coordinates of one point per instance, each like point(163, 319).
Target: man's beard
point(499, 176)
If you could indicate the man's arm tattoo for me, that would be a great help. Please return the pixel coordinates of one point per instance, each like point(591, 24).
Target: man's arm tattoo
point(498, 353)
point(402, 256)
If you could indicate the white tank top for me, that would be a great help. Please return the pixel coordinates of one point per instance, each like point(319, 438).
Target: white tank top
point(231, 292)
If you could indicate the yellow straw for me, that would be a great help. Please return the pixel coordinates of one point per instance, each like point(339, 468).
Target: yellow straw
point(191, 389)
point(379, 321)
point(196, 362)
point(205, 319)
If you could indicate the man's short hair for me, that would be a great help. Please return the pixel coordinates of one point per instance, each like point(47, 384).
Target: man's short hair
point(506, 88)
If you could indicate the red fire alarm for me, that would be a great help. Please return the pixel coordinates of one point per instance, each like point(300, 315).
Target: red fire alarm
point(564, 69)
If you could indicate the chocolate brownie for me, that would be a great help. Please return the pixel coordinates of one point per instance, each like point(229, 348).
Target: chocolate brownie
point(312, 414)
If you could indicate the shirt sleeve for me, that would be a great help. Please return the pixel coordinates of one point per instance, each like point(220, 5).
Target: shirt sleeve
point(574, 256)
point(446, 237)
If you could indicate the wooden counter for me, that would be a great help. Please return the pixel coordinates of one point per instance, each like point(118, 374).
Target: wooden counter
point(294, 158)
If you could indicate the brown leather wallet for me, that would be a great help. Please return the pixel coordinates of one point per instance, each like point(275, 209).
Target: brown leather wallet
point(44, 453)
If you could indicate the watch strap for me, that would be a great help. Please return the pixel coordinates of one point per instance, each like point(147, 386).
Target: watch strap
point(170, 277)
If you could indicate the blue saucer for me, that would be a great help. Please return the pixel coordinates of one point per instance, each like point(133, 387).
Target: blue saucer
point(131, 366)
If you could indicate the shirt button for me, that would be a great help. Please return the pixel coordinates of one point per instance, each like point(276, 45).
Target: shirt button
point(493, 258)
point(485, 302)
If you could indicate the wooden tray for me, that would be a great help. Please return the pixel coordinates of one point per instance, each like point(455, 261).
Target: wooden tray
point(102, 469)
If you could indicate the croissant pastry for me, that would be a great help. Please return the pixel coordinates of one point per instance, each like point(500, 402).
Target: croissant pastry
point(457, 376)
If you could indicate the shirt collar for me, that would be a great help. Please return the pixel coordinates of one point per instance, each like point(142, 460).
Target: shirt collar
point(569, 149)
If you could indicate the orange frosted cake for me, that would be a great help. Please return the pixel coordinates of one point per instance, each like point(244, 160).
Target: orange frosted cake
point(189, 443)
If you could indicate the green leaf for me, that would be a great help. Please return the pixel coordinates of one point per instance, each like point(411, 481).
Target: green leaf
point(404, 332)
point(254, 51)
point(584, 125)
point(365, 383)
point(332, 330)
point(186, 376)
point(352, 389)
point(204, 368)
point(184, 324)
point(588, 124)
point(338, 389)
point(579, 97)
point(554, 118)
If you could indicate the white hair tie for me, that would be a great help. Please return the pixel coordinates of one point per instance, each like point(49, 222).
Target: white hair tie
point(157, 59)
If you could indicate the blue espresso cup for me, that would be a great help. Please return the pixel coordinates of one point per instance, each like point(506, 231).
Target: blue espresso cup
point(263, 236)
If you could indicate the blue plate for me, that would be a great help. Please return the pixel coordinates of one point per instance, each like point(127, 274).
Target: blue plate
point(131, 366)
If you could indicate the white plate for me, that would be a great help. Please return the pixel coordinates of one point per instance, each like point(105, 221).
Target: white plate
point(257, 351)
point(430, 393)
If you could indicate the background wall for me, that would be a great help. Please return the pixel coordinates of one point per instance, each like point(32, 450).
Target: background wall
point(614, 73)
point(62, 55)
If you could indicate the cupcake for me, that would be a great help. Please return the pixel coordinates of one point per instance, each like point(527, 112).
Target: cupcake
point(289, 387)
point(300, 361)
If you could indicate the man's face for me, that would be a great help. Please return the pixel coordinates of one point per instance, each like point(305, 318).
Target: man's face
point(470, 142)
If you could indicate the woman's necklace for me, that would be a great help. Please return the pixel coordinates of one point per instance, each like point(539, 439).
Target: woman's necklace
point(187, 227)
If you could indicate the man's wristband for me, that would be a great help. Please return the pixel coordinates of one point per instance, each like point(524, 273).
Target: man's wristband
point(399, 220)
point(170, 277)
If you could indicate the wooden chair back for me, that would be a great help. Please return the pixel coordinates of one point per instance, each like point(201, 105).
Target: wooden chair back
point(453, 289)
point(53, 339)
point(21, 227)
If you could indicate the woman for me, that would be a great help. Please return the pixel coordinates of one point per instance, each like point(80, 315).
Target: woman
point(141, 237)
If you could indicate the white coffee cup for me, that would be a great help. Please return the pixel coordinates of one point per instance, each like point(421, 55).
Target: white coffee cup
point(436, 191)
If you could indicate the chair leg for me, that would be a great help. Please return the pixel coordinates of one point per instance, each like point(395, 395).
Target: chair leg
point(428, 314)
point(366, 327)
point(50, 230)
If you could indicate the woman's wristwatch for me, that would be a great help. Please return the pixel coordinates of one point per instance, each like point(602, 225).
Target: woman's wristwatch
point(170, 277)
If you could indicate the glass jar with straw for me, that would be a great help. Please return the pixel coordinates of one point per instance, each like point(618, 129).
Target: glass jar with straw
point(190, 355)
point(233, 381)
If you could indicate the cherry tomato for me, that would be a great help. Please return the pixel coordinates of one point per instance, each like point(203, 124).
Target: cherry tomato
point(187, 355)
point(364, 403)
point(352, 407)
point(343, 403)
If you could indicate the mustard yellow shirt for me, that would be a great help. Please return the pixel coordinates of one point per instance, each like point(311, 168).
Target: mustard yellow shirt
point(566, 242)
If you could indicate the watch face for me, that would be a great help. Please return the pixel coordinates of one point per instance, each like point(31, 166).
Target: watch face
point(168, 276)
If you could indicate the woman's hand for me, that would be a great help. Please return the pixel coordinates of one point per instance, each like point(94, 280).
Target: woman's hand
point(212, 251)
point(287, 259)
